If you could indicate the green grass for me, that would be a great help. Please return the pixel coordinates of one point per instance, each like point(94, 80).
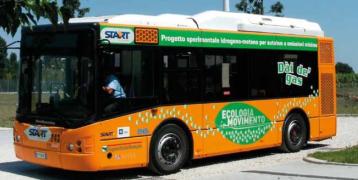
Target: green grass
point(348, 155)
point(348, 90)
point(347, 104)
point(7, 109)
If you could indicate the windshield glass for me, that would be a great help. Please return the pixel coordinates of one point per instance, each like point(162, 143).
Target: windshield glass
point(57, 76)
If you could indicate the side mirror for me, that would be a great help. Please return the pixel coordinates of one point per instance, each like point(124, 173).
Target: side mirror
point(103, 43)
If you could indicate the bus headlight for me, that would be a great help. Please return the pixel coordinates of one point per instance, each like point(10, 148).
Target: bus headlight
point(81, 145)
point(17, 138)
point(71, 147)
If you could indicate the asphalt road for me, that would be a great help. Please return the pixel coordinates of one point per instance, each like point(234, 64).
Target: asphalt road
point(262, 164)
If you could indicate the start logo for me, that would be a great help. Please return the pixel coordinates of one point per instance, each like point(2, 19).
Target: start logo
point(38, 133)
point(118, 35)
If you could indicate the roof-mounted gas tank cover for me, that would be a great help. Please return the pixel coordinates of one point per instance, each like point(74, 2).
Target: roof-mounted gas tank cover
point(215, 20)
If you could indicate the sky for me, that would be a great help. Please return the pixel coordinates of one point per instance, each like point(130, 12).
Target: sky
point(337, 19)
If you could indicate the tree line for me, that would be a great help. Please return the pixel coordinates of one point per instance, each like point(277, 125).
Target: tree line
point(257, 7)
point(17, 13)
point(346, 74)
point(9, 65)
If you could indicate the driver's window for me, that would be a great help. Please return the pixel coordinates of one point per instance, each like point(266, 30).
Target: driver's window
point(127, 80)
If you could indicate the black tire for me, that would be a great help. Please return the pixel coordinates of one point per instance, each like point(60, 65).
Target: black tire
point(294, 133)
point(169, 149)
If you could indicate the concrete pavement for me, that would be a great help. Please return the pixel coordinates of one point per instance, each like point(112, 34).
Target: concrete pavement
point(295, 170)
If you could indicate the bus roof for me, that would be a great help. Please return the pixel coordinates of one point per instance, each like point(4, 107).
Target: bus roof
point(215, 20)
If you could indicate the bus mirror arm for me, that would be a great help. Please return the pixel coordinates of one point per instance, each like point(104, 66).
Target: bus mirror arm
point(6, 47)
point(103, 43)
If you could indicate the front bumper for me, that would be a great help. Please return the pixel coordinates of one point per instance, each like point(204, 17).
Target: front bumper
point(67, 161)
point(124, 154)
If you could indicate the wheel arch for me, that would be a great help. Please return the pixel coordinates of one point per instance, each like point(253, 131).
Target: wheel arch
point(182, 125)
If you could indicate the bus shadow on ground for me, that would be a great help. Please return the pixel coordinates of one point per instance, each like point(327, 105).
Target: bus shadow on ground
point(38, 172)
point(244, 156)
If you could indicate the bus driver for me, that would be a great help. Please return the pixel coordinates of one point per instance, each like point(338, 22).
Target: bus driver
point(115, 91)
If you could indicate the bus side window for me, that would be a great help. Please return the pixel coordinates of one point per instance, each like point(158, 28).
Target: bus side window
point(117, 60)
point(181, 77)
point(225, 75)
point(210, 79)
point(165, 61)
point(261, 76)
point(221, 77)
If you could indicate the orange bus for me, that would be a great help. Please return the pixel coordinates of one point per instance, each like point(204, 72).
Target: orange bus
point(192, 87)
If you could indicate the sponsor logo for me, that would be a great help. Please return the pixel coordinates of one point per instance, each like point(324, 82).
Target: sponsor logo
point(124, 147)
point(38, 133)
point(104, 148)
point(143, 131)
point(123, 132)
point(121, 147)
point(107, 134)
point(118, 35)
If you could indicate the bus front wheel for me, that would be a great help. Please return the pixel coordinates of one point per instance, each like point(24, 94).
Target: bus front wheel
point(294, 133)
point(169, 149)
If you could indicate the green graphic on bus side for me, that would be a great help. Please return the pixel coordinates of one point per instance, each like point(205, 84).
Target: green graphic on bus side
point(190, 38)
point(293, 76)
point(242, 123)
point(235, 40)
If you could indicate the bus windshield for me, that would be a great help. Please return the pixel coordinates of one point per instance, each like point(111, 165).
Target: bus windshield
point(57, 77)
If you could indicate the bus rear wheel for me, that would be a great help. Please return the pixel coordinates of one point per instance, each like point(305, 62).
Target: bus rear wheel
point(169, 149)
point(294, 133)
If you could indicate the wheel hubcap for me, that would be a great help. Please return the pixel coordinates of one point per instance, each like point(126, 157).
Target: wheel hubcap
point(295, 133)
point(170, 149)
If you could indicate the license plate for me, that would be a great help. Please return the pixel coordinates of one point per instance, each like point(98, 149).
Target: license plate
point(40, 155)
